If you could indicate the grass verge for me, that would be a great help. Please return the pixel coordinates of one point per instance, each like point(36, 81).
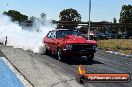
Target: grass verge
point(121, 45)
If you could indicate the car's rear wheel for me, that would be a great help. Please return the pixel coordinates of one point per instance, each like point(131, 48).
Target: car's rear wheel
point(47, 52)
point(60, 56)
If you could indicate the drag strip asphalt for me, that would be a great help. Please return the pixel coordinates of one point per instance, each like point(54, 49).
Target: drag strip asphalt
point(46, 71)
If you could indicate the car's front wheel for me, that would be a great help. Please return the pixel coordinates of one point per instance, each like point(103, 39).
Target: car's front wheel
point(60, 56)
point(47, 52)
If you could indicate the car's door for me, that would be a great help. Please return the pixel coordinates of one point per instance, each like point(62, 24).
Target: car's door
point(53, 41)
point(48, 40)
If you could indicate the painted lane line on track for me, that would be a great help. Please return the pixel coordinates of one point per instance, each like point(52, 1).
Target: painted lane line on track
point(16, 74)
point(118, 53)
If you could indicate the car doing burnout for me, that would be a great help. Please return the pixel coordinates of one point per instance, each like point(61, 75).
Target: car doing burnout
point(66, 43)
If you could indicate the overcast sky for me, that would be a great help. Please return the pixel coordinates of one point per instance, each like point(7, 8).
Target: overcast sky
point(102, 10)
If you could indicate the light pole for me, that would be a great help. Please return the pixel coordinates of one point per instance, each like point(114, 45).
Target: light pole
point(89, 19)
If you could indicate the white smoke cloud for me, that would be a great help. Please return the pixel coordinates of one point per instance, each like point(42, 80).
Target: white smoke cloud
point(21, 38)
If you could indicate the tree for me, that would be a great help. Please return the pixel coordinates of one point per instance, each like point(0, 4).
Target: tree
point(114, 20)
point(70, 15)
point(126, 14)
point(43, 15)
point(32, 18)
point(16, 16)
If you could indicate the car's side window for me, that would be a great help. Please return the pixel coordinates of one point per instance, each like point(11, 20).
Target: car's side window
point(49, 35)
point(60, 34)
point(53, 35)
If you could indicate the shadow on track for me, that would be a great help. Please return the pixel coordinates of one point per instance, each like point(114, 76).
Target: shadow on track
point(78, 61)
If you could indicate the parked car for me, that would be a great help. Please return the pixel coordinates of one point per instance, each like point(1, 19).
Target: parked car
point(92, 36)
point(103, 36)
point(127, 35)
point(118, 36)
point(67, 43)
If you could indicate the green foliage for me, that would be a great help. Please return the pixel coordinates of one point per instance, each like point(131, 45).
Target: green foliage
point(16, 16)
point(126, 14)
point(114, 20)
point(70, 15)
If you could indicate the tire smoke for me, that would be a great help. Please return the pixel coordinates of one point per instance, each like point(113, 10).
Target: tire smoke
point(25, 38)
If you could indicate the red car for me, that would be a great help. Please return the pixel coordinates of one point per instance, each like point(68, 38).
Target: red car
point(66, 43)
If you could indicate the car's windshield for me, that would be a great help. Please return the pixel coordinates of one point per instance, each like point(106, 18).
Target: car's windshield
point(63, 33)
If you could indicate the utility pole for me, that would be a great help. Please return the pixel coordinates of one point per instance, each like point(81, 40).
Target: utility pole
point(89, 19)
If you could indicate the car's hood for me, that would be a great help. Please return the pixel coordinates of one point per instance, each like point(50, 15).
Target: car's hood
point(73, 39)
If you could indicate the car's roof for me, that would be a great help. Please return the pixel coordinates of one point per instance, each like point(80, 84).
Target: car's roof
point(61, 30)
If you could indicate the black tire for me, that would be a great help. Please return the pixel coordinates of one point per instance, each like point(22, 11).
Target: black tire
point(60, 56)
point(47, 52)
